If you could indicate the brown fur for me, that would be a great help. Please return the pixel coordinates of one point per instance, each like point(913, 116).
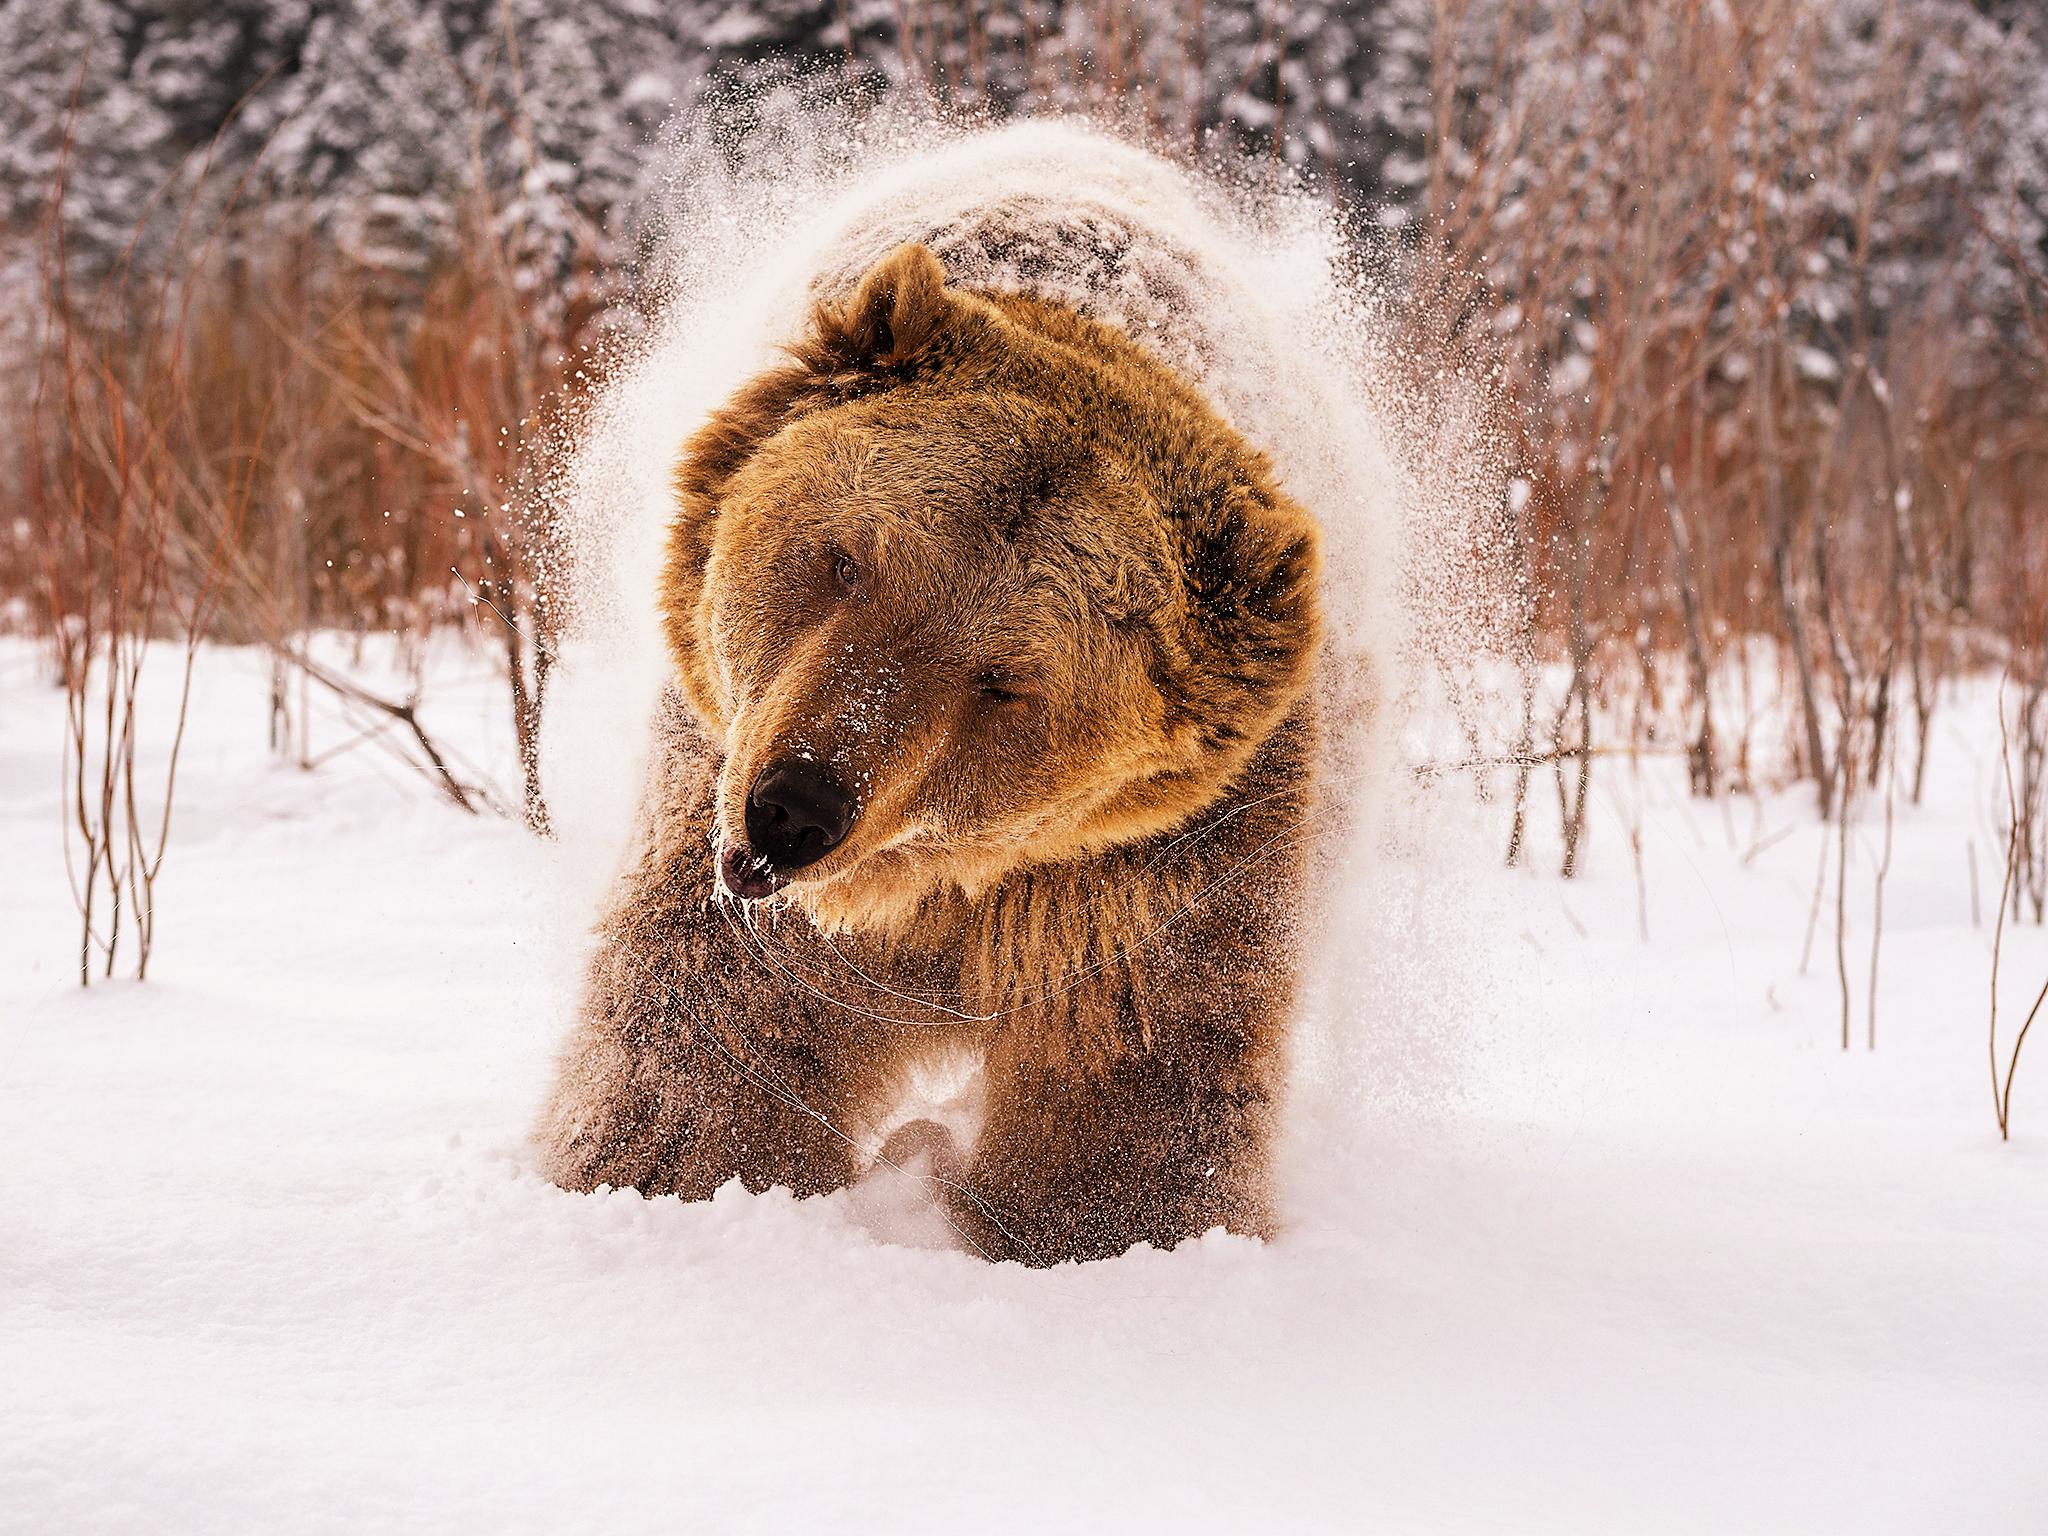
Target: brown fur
point(1070, 688)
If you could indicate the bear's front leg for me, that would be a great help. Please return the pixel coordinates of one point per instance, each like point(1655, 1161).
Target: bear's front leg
point(1084, 1153)
point(695, 1059)
point(665, 1101)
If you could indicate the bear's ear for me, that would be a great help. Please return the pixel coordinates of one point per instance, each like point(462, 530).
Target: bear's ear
point(898, 309)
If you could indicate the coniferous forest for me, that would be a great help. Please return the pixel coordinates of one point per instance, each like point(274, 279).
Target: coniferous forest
point(1760, 292)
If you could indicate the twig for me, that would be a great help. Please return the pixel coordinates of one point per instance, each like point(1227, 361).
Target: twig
point(2001, 1092)
point(1845, 791)
point(1884, 867)
point(404, 714)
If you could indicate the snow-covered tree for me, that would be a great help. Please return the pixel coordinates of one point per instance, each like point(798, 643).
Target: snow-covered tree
point(373, 134)
point(69, 102)
point(1298, 80)
point(198, 61)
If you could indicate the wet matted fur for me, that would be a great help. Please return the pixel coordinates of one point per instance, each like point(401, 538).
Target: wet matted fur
point(1054, 622)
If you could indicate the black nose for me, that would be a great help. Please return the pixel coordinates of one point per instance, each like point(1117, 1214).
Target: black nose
point(797, 812)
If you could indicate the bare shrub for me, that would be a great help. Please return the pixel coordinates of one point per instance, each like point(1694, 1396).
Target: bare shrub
point(123, 464)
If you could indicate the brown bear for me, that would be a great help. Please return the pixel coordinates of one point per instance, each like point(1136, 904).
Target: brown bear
point(985, 777)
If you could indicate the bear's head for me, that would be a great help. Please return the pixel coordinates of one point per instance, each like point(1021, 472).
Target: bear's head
point(972, 583)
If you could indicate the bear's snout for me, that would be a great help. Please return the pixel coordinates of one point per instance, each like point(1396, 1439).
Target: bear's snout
point(797, 812)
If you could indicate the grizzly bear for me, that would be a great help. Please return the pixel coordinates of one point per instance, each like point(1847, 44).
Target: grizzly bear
point(984, 777)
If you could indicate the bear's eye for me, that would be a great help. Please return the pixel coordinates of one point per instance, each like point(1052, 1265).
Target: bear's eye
point(1002, 688)
point(847, 575)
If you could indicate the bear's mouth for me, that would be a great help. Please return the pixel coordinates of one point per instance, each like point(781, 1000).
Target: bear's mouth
point(746, 874)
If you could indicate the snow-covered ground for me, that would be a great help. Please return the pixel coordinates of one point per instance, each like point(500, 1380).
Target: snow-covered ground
point(1588, 1233)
